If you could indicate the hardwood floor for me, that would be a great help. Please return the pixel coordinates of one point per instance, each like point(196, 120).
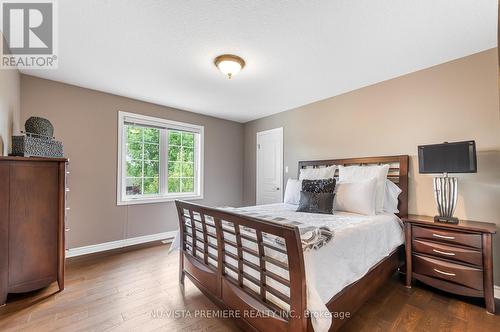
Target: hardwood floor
point(422, 309)
point(134, 291)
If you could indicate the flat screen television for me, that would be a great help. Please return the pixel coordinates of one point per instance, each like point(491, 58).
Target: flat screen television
point(456, 157)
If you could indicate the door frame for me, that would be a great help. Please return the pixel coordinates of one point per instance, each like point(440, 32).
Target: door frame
point(260, 133)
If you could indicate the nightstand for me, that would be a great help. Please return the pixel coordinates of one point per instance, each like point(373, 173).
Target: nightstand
point(455, 258)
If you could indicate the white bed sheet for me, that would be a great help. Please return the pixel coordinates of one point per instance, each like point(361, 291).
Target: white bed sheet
point(359, 243)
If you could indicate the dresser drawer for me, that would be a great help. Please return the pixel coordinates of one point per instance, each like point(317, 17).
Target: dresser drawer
point(445, 236)
point(449, 252)
point(459, 274)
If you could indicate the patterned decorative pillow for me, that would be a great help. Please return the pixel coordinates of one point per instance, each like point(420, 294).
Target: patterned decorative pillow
point(316, 202)
point(317, 196)
point(319, 186)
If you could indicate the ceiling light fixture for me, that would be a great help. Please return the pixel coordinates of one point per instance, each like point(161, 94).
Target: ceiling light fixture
point(229, 64)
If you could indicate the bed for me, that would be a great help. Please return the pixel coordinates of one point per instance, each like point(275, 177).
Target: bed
point(256, 269)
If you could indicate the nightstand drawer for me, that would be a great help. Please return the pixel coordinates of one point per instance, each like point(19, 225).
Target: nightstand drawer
point(459, 274)
point(449, 252)
point(445, 236)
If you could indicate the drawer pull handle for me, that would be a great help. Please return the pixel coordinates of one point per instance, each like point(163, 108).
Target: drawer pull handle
point(444, 252)
point(445, 273)
point(443, 236)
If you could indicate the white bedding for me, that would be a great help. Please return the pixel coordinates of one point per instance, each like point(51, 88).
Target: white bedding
point(359, 243)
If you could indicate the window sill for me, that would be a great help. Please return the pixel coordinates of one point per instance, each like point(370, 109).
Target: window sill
point(151, 200)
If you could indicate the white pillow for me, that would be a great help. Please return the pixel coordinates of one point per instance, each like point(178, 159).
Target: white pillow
point(356, 197)
point(317, 173)
point(392, 192)
point(292, 191)
point(363, 173)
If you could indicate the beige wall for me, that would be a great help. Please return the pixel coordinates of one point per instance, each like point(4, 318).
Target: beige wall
point(10, 107)
point(86, 122)
point(453, 101)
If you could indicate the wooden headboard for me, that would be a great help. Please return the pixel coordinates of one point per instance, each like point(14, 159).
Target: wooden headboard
point(398, 172)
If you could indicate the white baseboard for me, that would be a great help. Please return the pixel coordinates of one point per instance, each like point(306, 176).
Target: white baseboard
point(119, 244)
point(497, 291)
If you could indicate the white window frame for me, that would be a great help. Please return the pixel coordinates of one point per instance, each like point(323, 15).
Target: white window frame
point(163, 196)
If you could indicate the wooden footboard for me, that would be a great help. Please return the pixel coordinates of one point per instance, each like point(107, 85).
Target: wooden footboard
point(251, 266)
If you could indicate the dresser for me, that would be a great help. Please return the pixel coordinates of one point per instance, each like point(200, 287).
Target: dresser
point(32, 223)
point(455, 258)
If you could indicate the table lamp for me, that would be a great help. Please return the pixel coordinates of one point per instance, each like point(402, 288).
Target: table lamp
point(446, 158)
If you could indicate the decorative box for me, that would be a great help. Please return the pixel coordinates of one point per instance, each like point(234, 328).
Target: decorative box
point(32, 145)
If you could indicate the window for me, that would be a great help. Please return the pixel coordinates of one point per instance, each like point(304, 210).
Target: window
point(159, 160)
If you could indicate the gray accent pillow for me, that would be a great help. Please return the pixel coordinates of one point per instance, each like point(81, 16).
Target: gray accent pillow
point(316, 202)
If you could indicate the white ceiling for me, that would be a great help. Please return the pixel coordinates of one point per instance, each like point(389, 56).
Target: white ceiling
point(297, 52)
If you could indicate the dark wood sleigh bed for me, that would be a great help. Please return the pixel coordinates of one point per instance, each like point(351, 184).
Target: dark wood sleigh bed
point(212, 238)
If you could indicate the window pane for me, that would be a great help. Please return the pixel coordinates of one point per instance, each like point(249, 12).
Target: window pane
point(174, 153)
point(143, 154)
point(151, 151)
point(174, 169)
point(181, 161)
point(174, 185)
point(134, 186)
point(174, 137)
point(188, 139)
point(151, 186)
point(151, 168)
point(134, 168)
point(188, 154)
point(187, 185)
point(152, 135)
point(187, 169)
point(134, 150)
point(134, 134)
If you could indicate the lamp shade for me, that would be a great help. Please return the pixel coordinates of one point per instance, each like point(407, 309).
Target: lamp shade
point(229, 64)
point(456, 157)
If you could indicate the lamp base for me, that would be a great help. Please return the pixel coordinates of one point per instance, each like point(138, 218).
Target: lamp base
point(446, 193)
point(446, 220)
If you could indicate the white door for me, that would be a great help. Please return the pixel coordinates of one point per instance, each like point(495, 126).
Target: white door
point(270, 166)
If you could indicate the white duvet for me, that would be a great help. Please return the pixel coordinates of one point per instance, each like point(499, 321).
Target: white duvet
point(359, 243)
